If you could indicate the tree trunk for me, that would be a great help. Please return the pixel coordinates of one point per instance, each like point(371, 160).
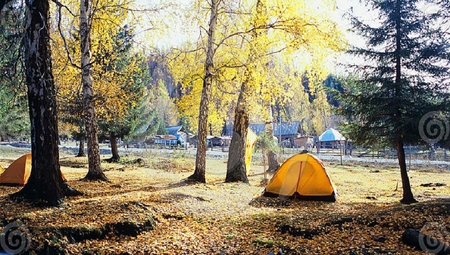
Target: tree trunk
point(271, 156)
point(272, 159)
point(81, 148)
point(114, 151)
point(426, 243)
point(408, 197)
point(95, 171)
point(236, 169)
point(200, 160)
point(45, 183)
point(264, 167)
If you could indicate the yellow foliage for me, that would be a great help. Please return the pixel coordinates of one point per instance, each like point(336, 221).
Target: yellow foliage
point(269, 49)
point(112, 82)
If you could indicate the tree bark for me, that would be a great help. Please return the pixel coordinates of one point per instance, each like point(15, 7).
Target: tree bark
point(81, 148)
point(95, 171)
point(272, 158)
point(408, 197)
point(200, 160)
point(45, 183)
point(114, 151)
point(236, 169)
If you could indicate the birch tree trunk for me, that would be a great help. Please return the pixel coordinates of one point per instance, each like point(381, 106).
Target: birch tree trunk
point(45, 183)
point(95, 171)
point(200, 160)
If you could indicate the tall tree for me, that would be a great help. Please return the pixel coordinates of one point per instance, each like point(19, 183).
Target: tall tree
point(113, 67)
point(95, 169)
point(405, 76)
point(45, 182)
point(236, 167)
point(66, 67)
point(120, 113)
point(200, 159)
point(290, 33)
point(305, 31)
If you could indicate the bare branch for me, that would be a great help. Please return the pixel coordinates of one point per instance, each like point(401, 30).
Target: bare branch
point(60, 6)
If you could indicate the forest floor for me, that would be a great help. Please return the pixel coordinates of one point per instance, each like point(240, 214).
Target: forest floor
point(148, 209)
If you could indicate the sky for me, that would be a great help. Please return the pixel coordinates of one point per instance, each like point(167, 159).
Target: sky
point(170, 35)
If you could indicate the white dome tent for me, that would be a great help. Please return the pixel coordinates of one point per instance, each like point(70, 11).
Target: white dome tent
point(333, 137)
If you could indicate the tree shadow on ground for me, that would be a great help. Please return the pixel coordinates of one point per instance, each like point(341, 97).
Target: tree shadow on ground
point(119, 189)
point(178, 196)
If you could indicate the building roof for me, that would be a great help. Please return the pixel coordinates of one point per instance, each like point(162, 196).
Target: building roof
point(287, 128)
point(257, 128)
point(173, 130)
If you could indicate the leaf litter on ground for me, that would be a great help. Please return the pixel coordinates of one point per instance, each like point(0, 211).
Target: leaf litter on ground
point(228, 218)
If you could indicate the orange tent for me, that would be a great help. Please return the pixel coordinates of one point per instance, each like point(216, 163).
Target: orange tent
point(302, 176)
point(18, 172)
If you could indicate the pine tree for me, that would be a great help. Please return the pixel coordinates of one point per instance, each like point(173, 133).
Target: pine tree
point(129, 70)
point(402, 79)
point(13, 101)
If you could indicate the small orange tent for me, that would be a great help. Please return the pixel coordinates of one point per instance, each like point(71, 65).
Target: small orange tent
point(302, 176)
point(18, 172)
